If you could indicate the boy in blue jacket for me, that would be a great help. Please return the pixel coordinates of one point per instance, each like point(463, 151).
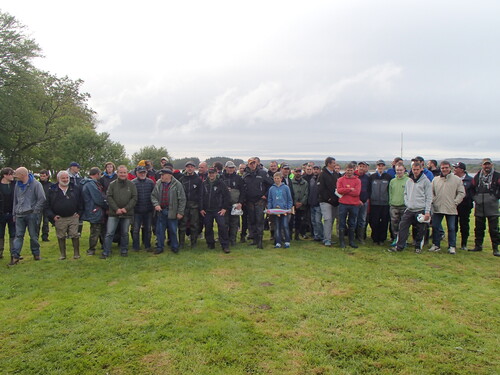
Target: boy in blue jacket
point(279, 196)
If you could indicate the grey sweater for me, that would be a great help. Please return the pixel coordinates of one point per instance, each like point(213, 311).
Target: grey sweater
point(28, 198)
point(418, 194)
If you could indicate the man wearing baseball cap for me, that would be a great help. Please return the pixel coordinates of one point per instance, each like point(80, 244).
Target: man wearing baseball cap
point(486, 194)
point(465, 207)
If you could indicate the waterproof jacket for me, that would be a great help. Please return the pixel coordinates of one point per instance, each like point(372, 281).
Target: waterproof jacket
point(235, 187)
point(192, 187)
point(447, 192)
point(418, 194)
point(214, 195)
point(144, 189)
point(64, 205)
point(486, 195)
point(107, 179)
point(121, 194)
point(279, 197)
point(313, 199)
point(176, 198)
point(94, 202)
point(28, 198)
point(365, 186)
point(257, 184)
point(379, 189)
point(300, 192)
point(469, 192)
point(327, 184)
point(6, 200)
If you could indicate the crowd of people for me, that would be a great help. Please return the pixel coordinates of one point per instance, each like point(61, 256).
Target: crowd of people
point(180, 207)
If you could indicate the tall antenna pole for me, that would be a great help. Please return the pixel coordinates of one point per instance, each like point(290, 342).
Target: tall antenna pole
point(401, 145)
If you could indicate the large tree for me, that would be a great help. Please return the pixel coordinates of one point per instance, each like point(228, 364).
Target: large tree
point(152, 153)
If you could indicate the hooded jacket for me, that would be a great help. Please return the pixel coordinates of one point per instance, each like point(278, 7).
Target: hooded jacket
point(28, 198)
point(94, 202)
point(418, 194)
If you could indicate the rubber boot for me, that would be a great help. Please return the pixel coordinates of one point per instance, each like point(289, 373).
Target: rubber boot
point(296, 237)
point(342, 238)
point(352, 243)
point(182, 239)
point(360, 235)
point(62, 248)
point(76, 248)
point(2, 244)
point(259, 242)
point(495, 251)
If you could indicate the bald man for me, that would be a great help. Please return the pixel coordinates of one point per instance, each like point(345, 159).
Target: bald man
point(29, 199)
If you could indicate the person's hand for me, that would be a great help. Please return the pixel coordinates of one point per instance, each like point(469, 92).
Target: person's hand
point(222, 212)
point(203, 213)
point(427, 217)
point(179, 216)
point(57, 217)
point(158, 208)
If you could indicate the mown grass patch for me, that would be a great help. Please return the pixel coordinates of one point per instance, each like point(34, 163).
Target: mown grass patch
point(303, 310)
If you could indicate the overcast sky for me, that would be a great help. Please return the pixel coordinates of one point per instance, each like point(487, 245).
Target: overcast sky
point(290, 79)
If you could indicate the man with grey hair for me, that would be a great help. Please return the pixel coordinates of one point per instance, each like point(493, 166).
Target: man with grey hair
point(64, 208)
point(29, 200)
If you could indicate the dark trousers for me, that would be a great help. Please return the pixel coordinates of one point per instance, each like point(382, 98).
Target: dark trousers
point(144, 221)
point(463, 219)
point(208, 220)
point(481, 227)
point(300, 221)
point(96, 230)
point(408, 219)
point(379, 222)
point(256, 217)
point(244, 221)
point(232, 223)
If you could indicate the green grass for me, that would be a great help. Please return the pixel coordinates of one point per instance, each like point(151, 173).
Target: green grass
point(304, 310)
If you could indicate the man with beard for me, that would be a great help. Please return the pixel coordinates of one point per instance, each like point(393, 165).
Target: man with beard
point(64, 208)
point(486, 194)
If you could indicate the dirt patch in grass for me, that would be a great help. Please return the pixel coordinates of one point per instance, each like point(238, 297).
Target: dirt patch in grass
point(158, 363)
point(432, 265)
point(264, 307)
point(114, 282)
point(267, 283)
point(222, 272)
point(42, 305)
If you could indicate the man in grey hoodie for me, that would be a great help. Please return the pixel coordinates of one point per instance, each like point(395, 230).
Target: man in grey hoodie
point(418, 200)
point(29, 199)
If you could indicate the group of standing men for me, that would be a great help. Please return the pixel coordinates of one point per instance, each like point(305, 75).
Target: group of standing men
point(183, 203)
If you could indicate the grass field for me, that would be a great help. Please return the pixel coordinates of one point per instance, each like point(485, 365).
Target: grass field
point(304, 310)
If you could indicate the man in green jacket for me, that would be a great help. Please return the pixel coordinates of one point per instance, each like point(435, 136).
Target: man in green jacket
point(121, 197)
point(396, 198)
point(169, 201)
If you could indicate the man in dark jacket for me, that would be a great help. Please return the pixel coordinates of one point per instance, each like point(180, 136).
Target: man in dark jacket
point(44, 220)
point(191, 183)
point(364, 177)
point(121, 197)
point(257, 184)
point(379, 203)
point(313, 200)
point(143, 210)
point(7, 186)
point(328, 201)
point(486, 195)
point(64, 208)
point(94, 207)
point(465, 207)
point(300, 189)
point(236, 190)
point(214, 203)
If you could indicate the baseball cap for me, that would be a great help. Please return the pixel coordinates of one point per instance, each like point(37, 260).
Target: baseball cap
point(460, 165)
point(141, 168)
point(190, 163)
point(380, 162)
point(230, 164)
point(486, 161)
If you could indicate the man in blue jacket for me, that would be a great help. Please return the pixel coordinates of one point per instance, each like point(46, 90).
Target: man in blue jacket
point(94, 207)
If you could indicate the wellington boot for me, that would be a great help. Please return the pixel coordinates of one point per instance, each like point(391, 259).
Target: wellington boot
point(352, 243)
point(182, 239)
point(62, 248)
point(76, 248)
point(259, 242)
point(2, 244)
point(360, 235)
point(342, 238)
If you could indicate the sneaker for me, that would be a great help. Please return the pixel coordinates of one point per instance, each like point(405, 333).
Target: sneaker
point(464, 248)
point(393, 249)
point(451, 250)
point(434, 248)
point(327, 243)
point(477, 248)
point(90, 252)
point(393, 243)
point(287, 245)
point(277, 246)
point(418, 250)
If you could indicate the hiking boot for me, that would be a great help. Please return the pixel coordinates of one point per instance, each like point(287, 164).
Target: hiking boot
point(477, 248)
point(434, 248)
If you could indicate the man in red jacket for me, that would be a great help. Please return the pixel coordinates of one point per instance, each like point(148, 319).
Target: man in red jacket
point(348, 190)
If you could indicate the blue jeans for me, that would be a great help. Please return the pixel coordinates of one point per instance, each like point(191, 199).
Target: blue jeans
point(113, 222)
point(316, 222)
point(281, 224)
point(164, 223)
point(142, 220)
point(451, 221)
point(362, 210)
point(31, 222)
point(348, 210)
